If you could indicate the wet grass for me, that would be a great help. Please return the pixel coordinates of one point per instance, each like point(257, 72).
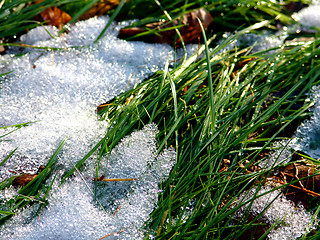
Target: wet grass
point(228, 114)
point(214, 106)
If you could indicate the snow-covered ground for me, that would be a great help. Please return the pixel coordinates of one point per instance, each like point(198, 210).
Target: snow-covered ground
point(59, 91)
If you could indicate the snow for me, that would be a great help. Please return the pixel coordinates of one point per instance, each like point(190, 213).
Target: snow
point(289, 221)
point(72, 213)
point(309, 17)
point(59, 91)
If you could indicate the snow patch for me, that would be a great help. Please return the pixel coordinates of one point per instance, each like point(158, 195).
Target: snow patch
point(59, 92)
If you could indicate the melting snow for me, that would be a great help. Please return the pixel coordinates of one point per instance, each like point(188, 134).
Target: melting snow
point(289, 222)
point(309, 16)
point(59, 91)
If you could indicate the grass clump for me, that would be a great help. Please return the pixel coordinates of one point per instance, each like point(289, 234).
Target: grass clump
point(250, 104)
point(17, 17)
point(221, 112)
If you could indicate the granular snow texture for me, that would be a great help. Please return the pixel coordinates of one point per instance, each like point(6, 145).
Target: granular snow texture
point(289, 222)
point(309, 17)
point(72, 213)
point(59, 91)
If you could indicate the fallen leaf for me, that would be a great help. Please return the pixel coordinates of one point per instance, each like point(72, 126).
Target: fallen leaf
point(23, 179)
point(100, 178)
point(296, 171)
point(190, 30)
point(100, 8)
point(55, 17)
point(2, 48)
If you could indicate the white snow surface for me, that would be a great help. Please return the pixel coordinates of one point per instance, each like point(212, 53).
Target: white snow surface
point(59, 91)
point(290, 222)
point(72, 213)
point(309, 16)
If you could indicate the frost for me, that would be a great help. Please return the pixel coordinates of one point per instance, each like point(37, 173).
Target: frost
point(59, 91)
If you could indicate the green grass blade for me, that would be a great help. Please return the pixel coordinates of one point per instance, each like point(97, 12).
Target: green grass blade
point(113, 16)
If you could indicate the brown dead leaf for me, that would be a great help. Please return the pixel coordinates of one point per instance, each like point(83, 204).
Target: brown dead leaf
point(190, 30)
point(99, 178)
point(307, 181)
point(296, 171)
point(2, 49)
point(55, 17)
point(100, 8)
point(23, 179)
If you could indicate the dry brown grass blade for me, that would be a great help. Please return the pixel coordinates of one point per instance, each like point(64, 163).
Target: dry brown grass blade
point(111, 234)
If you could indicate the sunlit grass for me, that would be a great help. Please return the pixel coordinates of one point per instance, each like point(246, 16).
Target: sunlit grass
point(242, 129)
point(214, 107)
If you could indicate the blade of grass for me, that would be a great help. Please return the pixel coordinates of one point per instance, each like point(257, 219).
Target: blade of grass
point(113, 16)
point(7, 157)
point(211, 97)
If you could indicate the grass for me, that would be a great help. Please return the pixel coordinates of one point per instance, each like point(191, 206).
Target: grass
point(32, 192)
point(218, 106)
point(241, 130)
